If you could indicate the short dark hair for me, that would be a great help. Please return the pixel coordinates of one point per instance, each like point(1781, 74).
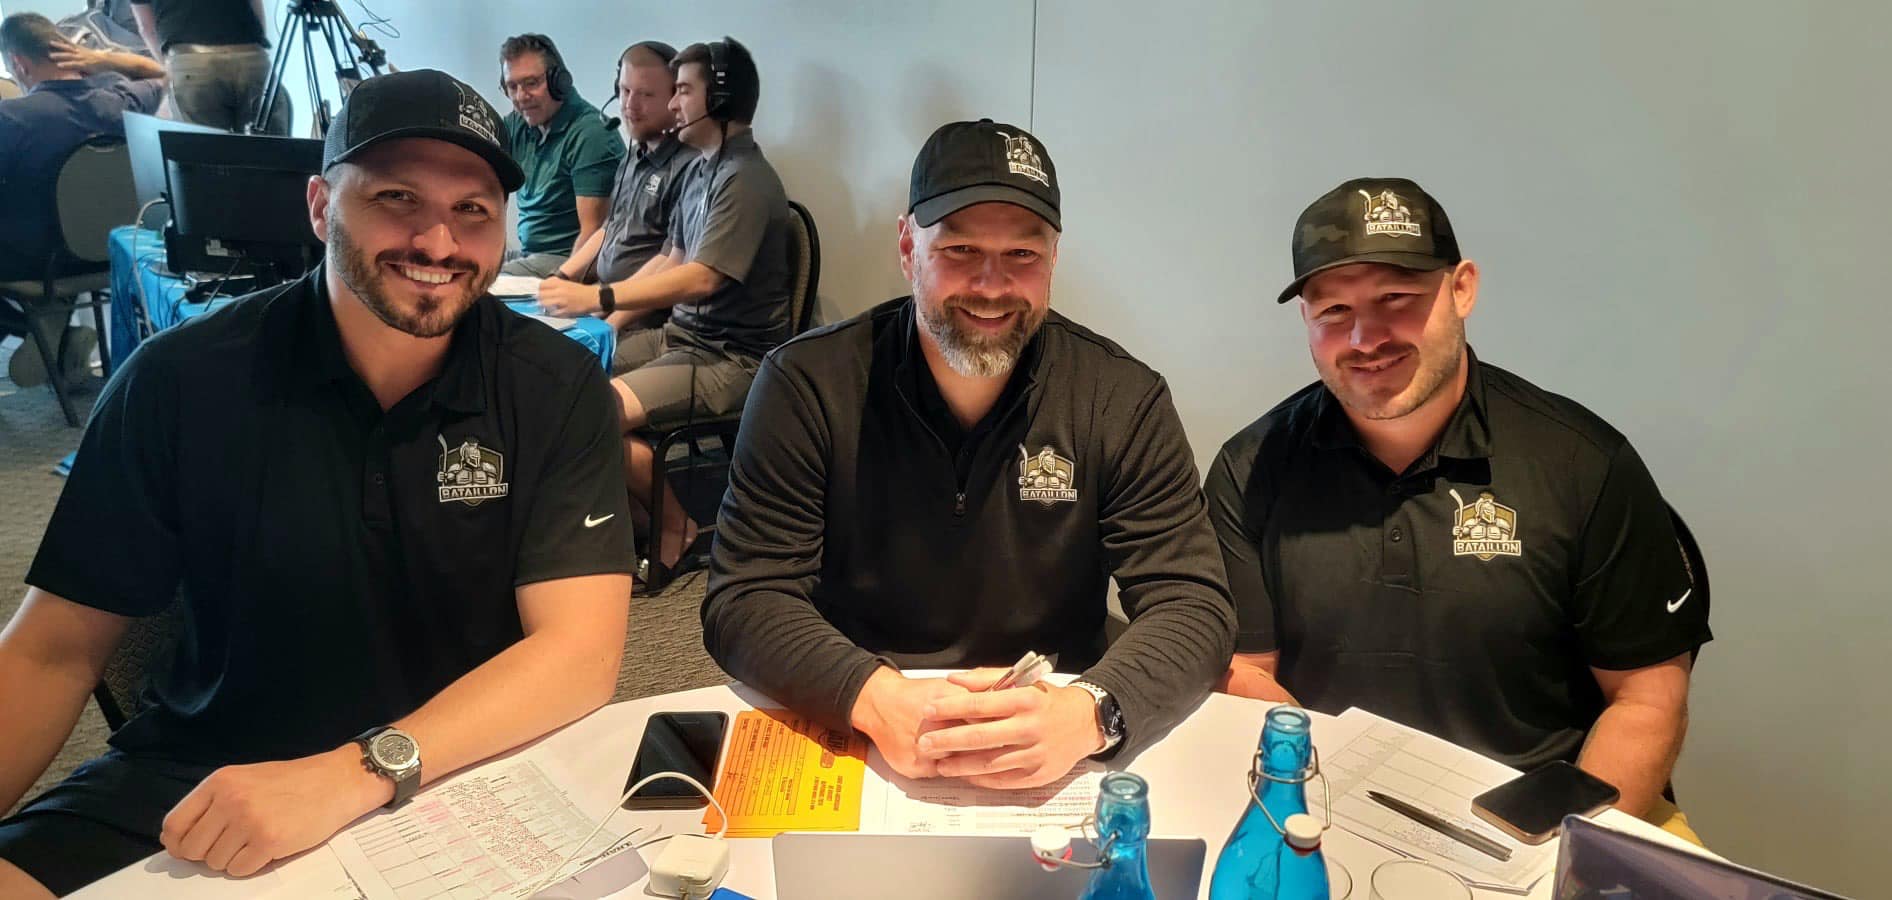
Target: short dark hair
point(520, 44)
point(745, 83)
point(30, 35)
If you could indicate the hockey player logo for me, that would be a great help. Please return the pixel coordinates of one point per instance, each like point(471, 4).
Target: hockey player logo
point(1484, 528)
point(1046, 478)
point(1387, 214)
point(470, 473)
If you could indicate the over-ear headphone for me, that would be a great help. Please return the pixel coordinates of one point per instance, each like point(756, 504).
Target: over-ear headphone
point(719, 93)
point(558, 79)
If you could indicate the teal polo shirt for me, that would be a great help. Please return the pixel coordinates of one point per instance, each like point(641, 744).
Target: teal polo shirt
point(575, 156)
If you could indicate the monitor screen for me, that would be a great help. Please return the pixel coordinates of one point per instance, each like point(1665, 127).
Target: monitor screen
point(239, 203)
point(147, 158)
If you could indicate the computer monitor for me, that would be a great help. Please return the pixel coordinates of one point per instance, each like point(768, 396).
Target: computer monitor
point(147, 158)
point(1598, 863)
point(239, 204)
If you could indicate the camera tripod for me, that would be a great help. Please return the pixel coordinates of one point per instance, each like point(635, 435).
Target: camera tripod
point(351, 51)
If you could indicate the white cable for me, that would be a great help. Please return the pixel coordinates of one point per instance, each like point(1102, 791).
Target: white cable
point(721, 832)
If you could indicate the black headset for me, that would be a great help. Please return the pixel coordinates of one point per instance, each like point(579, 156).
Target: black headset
point(719, 92)
point(558, 79)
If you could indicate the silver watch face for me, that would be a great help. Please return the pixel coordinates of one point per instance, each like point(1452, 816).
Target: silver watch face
point(393, 750)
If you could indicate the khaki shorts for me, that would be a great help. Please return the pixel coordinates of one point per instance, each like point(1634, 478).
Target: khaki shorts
point(676, 382)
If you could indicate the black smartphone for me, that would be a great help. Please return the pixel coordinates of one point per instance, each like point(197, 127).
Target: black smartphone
point(686, 742)
point(1531, 806)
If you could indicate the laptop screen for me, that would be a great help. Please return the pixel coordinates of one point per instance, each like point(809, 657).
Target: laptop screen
point(1598, 863)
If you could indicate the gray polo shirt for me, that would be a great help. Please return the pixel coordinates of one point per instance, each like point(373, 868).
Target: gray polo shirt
point(733, 217)
point(643, 200)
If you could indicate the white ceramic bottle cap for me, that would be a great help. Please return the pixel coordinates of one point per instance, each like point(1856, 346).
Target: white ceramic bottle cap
point(1303, 831)
point(1050, 843)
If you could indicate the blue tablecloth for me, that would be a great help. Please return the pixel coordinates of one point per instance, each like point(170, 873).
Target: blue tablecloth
point(146, 301)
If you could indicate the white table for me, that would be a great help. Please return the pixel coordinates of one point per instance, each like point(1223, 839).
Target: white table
point(1196, 777)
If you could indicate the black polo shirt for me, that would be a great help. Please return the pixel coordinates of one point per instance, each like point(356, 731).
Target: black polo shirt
point(1468, 596)
point(649, 183)
point(338, 565)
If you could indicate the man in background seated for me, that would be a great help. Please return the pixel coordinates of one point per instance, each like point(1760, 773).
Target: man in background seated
point(566, 149)
point(724, 276)
point(1427, 536)
point(392, 511)
point(951, 479)
point(218, 57)
point(72, 95)
point(649, 181)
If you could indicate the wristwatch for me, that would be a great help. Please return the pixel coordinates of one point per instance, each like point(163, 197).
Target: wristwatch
point(391, 752)
point(607, 300)
point(1109, 714)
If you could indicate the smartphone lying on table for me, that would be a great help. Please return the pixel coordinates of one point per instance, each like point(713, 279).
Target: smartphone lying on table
point(1531, 806)
point(686, 742)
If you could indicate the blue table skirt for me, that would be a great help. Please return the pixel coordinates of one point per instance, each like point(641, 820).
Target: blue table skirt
point(145, 301)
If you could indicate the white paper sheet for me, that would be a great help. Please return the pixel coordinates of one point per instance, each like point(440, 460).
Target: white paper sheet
point(950, 806)
point(491, 833)
point(515, 286)
point(1436, 776)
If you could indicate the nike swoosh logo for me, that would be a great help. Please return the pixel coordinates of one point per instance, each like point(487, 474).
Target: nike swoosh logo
point(593, 523)
point(1677, 603)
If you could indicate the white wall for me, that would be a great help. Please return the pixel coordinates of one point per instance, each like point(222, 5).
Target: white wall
point(1674, 208)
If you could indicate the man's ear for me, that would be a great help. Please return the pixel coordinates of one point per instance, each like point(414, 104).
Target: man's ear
point(1463, 283)
point(319, 189)
point(908, 236)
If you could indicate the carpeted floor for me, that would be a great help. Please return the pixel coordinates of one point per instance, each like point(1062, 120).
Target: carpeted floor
point(664, 652)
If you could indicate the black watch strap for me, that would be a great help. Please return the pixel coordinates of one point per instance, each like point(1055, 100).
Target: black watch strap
point(405, 782)
point(607, 299)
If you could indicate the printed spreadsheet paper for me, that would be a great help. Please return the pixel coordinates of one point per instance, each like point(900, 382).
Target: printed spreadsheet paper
point(1436, 776)
point(494, 832)
point(951, 806)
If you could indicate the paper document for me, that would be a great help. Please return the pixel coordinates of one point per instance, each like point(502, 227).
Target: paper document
point(951, 806)
point(786, 773)
point(515, 286)
point(1436, 776)
point(487, 834)
point(559, 322)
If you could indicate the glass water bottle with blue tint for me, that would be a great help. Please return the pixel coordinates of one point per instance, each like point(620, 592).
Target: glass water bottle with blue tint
point(1123, 830)
point(1274, 851)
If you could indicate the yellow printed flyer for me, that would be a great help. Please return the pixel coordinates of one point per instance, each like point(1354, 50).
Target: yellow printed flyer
point(786, 773)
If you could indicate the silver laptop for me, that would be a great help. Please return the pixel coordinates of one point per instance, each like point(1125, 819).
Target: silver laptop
point(1598, 863)
point(849, 866)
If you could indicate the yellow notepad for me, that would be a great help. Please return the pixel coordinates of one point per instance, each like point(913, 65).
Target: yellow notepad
point(786, 773)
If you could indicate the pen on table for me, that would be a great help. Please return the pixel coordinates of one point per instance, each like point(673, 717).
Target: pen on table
point(1458, 833)
point(1023, 673)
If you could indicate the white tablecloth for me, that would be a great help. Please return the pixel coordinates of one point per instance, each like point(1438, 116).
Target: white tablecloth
point(1196, 777)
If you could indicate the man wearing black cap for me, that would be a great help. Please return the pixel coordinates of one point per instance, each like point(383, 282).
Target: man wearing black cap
point(723, 275)
point(949, 480)
point(1435, 539)
point(390, 511)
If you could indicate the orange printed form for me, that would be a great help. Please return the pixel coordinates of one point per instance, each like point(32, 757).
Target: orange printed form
point(786, 773)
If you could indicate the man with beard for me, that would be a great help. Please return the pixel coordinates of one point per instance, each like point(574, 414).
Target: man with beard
point(357, 618)
point(1548, 619)
point(723, 275)
point(949, 480)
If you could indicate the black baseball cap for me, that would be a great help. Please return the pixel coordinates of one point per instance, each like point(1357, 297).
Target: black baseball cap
point(424, 103)
point(1382, 220)
point(964, 163)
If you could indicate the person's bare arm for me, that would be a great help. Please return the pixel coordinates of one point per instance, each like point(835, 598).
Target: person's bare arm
point(665, 281)
point(51, 657)
point(1253, 675)
point(1636, 740)
point(573, 269)
point(242, 817)
point(87, 61)
point(591, 213)
point(148, 28)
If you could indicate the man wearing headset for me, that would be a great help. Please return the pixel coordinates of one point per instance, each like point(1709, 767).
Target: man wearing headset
point(649, 181)
point(723, 274)
point(567, 151)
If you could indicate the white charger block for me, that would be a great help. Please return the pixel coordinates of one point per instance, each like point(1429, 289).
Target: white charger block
point(690, 866)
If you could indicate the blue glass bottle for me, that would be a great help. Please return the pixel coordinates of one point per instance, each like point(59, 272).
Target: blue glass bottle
point(1259, 862)
point(1123, 827)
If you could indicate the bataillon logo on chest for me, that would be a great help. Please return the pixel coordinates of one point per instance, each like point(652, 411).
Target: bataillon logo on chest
point(470, 473)
point(1046, 478)
point(1484, 528)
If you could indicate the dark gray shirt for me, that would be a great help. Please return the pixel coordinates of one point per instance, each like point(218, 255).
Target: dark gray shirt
point(733, 217)
point(643, 200)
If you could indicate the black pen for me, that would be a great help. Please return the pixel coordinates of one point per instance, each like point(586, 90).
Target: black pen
point(1464, 836)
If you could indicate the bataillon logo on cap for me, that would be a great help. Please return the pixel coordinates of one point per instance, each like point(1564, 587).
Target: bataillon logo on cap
point(1022, 158)
point(475, 115)
point(1387, 214)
